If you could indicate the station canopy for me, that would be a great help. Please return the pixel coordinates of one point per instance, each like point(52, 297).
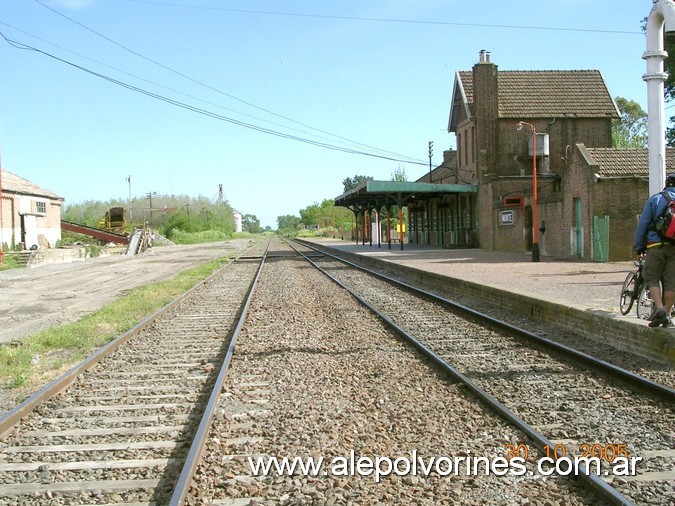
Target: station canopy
point(375, 194)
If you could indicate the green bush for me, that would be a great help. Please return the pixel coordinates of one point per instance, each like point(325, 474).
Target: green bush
point(308, 233)
point(180, 237)
point(93, 250)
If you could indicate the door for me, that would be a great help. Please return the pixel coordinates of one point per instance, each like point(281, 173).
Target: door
point(528, 228)
point(579, 229)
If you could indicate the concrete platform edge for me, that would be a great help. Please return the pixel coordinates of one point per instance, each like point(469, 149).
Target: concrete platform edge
point(656, 344)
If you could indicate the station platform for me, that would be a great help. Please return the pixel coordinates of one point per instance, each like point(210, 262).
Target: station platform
point(579, 296)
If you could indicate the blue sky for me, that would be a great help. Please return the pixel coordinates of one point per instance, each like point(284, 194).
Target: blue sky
point(369, 76)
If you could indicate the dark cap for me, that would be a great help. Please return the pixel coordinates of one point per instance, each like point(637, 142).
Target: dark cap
point(670, 180)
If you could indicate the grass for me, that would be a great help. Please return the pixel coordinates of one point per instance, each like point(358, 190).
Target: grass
point(8, 262)
point(43, 354)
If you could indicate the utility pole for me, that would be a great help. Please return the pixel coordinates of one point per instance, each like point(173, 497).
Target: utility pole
point(1, 250)
point(150, 196)
point(129, 201)
point(431, 152)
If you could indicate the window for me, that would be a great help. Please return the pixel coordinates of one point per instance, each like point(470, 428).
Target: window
point(473, 145)
point(466, 148)
point(41, 207)
point(459, 149)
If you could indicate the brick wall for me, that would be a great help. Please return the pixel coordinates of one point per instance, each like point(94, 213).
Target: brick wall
point(622, 200)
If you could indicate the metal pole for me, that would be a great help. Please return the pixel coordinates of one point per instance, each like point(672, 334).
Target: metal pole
point(662, 16)
point(431, 152)
point(535, 219)
point(389, 226)
point(400, 224)
point(1, 238)
point(129, 201)
point(149, 195)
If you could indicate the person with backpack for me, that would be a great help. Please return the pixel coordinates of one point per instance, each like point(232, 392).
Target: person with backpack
point(655, 238)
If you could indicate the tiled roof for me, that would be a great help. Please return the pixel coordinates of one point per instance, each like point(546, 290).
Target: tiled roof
point(14, 184)
point(466, 76)
point(614, 162)
point(549, 94)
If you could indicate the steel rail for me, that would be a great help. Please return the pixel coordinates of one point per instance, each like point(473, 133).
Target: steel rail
point(663, 392)
point(196, 451)
point(9, 419)
point(601, 488)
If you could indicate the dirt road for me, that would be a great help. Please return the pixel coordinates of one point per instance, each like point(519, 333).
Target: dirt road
point(42, 297)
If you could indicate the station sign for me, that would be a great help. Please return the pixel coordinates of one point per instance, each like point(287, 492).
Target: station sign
point(507, 217)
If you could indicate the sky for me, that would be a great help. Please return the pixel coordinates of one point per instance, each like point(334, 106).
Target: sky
point(277, 100)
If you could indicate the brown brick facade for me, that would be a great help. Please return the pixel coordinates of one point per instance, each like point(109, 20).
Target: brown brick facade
point(575, 110)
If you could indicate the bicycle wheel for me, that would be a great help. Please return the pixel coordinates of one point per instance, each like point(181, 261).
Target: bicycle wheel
point(628, 293)
point(645, 305)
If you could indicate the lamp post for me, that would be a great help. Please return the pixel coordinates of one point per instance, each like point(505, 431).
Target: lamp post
point(535, 220)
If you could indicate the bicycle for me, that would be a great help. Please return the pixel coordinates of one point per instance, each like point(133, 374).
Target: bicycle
point(646, 309)
point(633, 288)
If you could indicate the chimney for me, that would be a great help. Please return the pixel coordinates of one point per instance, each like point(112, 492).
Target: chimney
point(486, 106)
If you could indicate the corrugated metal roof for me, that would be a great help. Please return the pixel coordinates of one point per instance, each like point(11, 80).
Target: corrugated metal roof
point(613, 162)
point(12, 183)
point(549, 93)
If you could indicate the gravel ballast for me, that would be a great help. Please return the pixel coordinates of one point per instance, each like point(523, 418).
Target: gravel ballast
point(314, 374)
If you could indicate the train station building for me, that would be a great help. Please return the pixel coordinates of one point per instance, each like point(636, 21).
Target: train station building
point(30, 215)
point(534, 168)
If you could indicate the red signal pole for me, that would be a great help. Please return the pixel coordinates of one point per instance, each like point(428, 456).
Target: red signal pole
point(535, 220)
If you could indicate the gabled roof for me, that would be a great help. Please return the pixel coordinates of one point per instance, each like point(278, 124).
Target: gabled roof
point(462, 96)
point(438, 174)
point(12, 183)
point(623, 162)
point(555, 94)
point(541, 94)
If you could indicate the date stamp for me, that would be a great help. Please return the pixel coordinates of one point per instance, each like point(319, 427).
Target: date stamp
point(588, 457)
point(608, 452)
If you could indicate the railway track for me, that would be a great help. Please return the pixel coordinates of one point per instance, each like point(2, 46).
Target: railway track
point(316, 375)
point(127, 425)
point(566, 406)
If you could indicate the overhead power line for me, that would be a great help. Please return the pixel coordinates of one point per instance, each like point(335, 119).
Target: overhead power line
point(390, 20)
point(205, 85)
point(204, 112)
point(154, 83)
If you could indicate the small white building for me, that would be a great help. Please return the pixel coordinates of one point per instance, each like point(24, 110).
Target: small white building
point(237, 222)
point(31, 215)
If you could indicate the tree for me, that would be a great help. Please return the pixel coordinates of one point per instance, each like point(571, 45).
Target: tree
point(288, 222)
point(399, 175)
point(630, 130)
point(352, 182)
point(250, 223)
point(318, 214)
